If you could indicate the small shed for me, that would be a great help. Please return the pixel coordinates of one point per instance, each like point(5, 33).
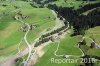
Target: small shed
point(55, 38)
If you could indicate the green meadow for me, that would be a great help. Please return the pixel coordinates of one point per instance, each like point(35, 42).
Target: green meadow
point(95, 34)
point(10, 33)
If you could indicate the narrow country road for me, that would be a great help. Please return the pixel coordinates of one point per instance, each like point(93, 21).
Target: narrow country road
point(60, 23)
point(30, 47)
point(25, 38)
point(37, 50)
point(83, 54)
point(11, 62)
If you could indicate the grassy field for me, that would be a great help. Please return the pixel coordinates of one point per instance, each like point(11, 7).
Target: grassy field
point(67, 47)
point(10, 33)
point(71, 3)
point(37, 16)
point(67, 44)
point(46, 59)
point(94, 33)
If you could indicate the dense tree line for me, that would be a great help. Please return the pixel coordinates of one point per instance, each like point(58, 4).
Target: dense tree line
point(46, 37)
point(55, 31)
point(84, 22)
point(43, 40)
point(77, 20)
point(88, 7)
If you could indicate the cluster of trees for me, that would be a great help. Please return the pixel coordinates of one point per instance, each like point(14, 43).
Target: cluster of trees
point(18, 61)
point(53, 32)
point(88, 7)
point(77, 20)
point(84, 22)
point(43, 40)
point(47, 37)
